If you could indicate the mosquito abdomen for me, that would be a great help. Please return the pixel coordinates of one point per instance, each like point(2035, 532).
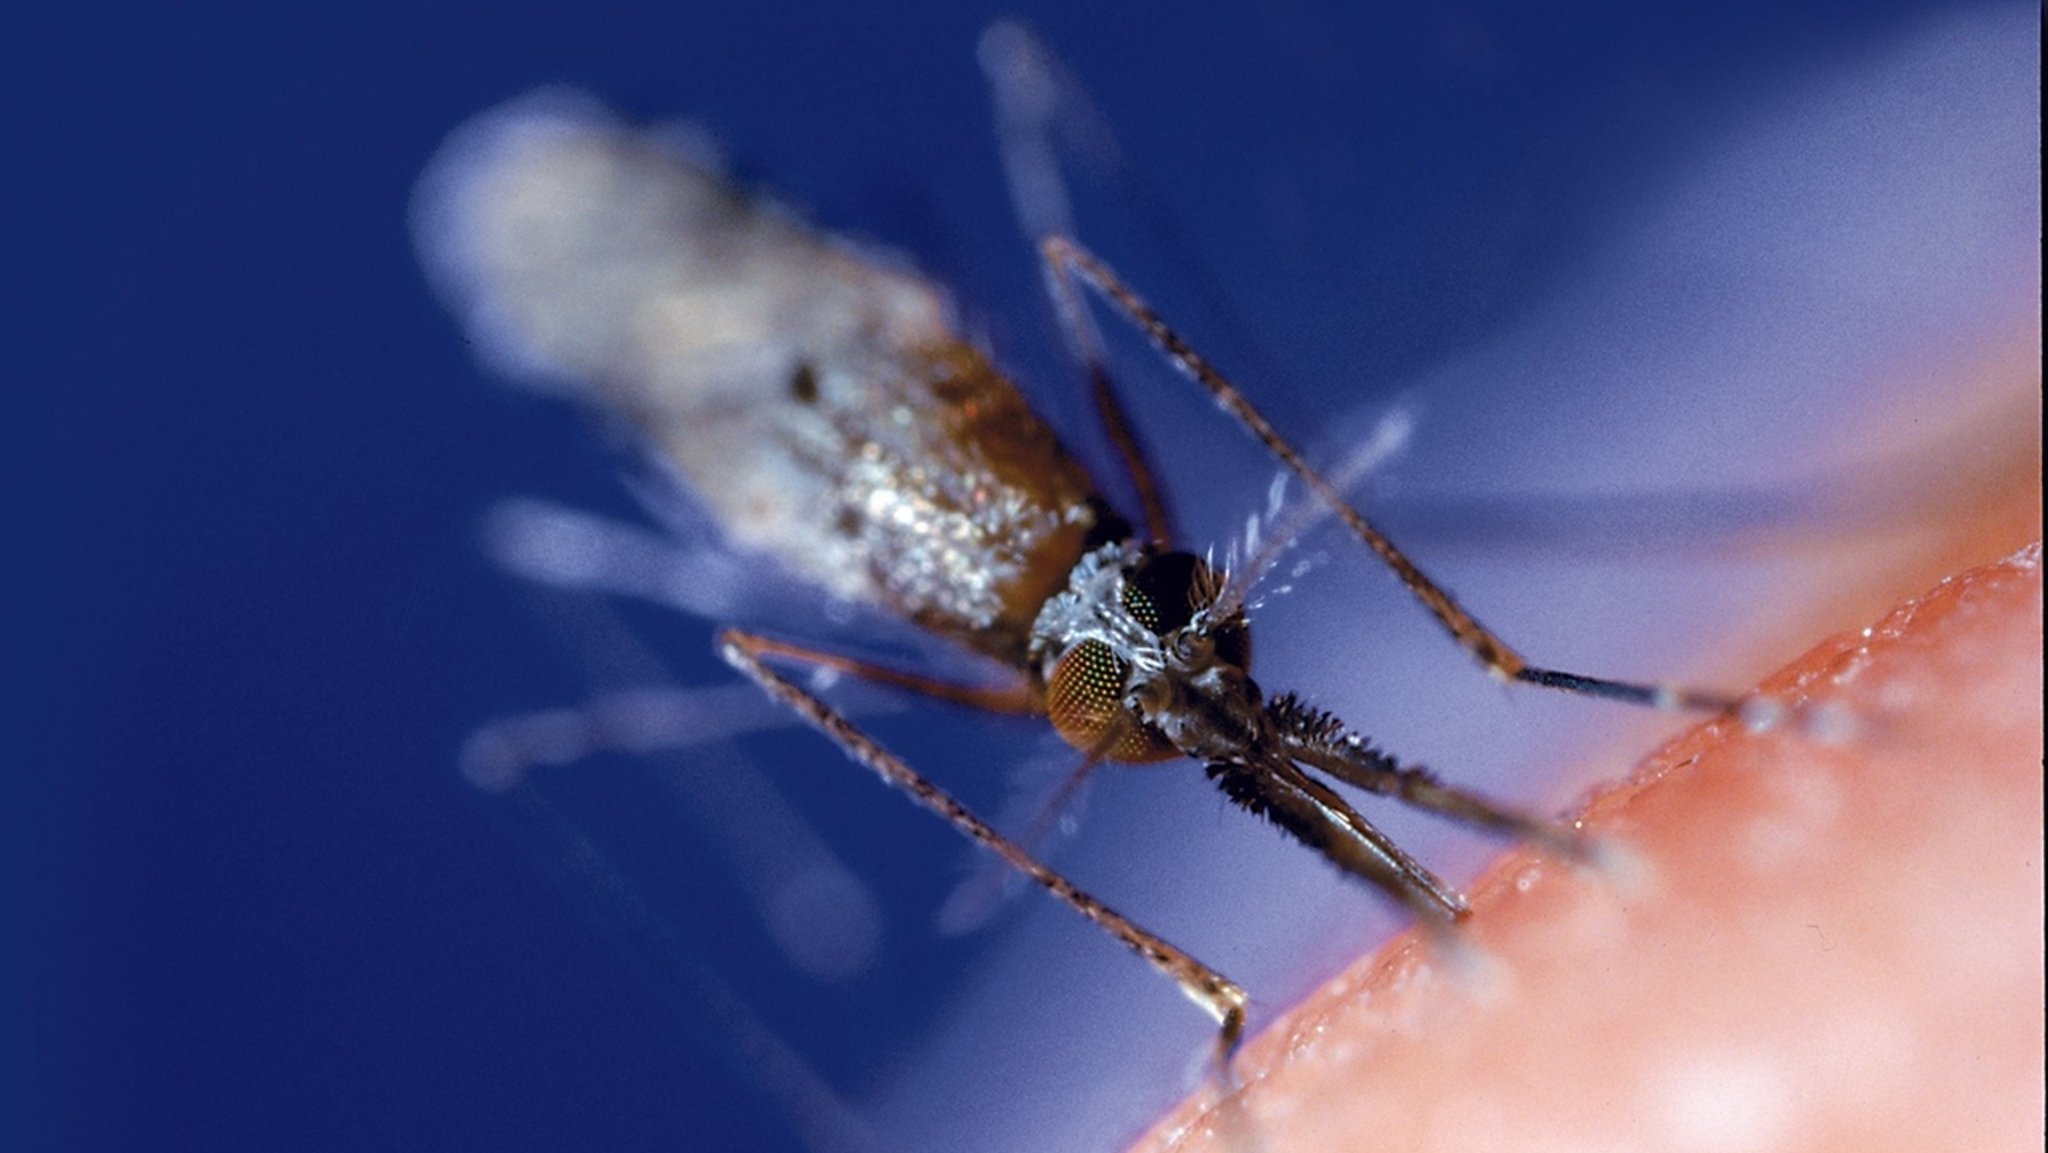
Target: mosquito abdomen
point(812, 394)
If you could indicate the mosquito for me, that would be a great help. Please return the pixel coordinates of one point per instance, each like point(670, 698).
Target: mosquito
point(817, 400)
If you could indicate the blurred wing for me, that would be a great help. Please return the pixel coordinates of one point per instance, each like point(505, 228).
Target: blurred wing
point(1048, 797)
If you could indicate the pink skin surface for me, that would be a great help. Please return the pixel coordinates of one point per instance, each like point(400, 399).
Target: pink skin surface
point(1823, 935)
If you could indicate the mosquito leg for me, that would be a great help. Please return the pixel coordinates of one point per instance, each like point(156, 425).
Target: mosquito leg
point(1116, 424)
point(1320, 819)
point(1018, 699)
point(1215, 993)
point(1032, 95)
point(1672, 698)
point(1319, 740)
point(1068, 262)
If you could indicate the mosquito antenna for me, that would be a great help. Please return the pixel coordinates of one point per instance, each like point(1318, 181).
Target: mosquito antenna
point(1389, 437)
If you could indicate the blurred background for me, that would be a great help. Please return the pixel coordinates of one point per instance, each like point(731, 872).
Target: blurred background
point(1692, 306)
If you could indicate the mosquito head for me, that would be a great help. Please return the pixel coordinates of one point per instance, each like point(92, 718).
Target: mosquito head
point(1143, 660)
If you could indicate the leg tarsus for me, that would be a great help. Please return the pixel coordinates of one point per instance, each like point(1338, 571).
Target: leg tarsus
point(1229, 1039)
point(1670, 698)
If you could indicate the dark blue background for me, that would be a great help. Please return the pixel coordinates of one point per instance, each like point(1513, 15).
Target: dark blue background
point(261, 910)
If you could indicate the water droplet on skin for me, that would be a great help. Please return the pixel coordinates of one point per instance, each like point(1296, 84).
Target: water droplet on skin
point(1762, 714)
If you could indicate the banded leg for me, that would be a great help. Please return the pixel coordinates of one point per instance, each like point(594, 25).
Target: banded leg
point(1069, 262)
point(1215, 993)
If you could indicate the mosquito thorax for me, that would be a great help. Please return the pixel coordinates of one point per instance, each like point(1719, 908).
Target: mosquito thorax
point(1142, 661)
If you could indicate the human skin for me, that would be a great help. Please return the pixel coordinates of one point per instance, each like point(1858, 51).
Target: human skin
point(1820, 934)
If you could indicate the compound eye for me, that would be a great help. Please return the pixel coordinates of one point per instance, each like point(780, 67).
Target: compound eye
point(1163, 591)
point(1085, 701)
